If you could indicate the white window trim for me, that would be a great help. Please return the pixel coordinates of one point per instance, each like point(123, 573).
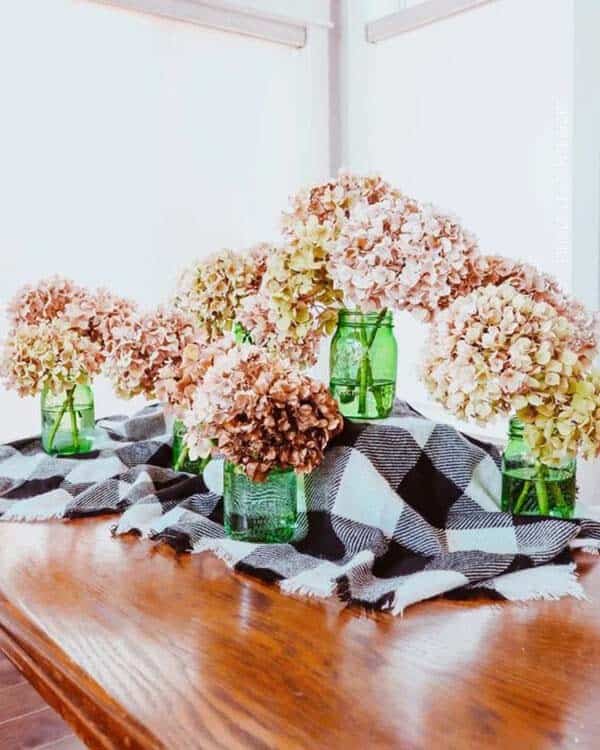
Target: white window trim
point(422, 14)
point(224, 16)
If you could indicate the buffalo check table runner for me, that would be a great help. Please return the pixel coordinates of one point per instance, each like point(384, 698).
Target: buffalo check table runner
point(401, 510)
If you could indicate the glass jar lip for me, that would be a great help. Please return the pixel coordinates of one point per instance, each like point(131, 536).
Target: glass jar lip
point(239, 470)
point(358, 318)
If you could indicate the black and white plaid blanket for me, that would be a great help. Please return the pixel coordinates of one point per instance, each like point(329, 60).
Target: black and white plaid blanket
point(400, 511)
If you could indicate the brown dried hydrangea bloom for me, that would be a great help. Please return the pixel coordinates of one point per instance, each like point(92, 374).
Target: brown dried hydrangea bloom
point(261, 414)
point(211, 291)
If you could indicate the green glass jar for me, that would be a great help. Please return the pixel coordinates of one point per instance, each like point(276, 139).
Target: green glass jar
point(530, 487)
point(260, 511)
point(68, 422)
point(362, 364)
point(180, 460)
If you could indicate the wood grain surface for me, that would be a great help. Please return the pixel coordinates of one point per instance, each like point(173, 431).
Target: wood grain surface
point(139, 648)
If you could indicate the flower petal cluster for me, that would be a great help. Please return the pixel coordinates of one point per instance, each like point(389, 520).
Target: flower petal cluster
point(259, 318)
point(49, 354)
point(297, 279)
point(563, 421)
point(261, 414)
point(149, 343)
point(494, 345)
point(211, 291)
point(403, 255)
point(496, 269)
point(177, 381)
point(76, 326)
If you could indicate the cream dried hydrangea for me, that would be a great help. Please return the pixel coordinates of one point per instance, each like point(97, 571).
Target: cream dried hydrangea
point(564, 421)
point(261, 414)
point(496, 346)
point(403, 255)
point(211, 291)
point(496, 269)
point(50, 355)
point(297, 279)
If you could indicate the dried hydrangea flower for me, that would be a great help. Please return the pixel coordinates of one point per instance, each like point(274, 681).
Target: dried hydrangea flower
point(46, 301)
point(297, 279)
point(564, 420)
point(48, 355)
point(149, 343)
point(177, 381)
point(211, 290)
point(403, 255)
point(259, 318)
point(496, 344)
point(495, 269)
point(261, 414)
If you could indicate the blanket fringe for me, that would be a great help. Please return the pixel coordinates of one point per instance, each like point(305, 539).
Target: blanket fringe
point(545, 582)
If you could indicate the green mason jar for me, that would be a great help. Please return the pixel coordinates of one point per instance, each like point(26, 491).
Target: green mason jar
point(68, 423)
point(180, 460)
point(260, 511)
point(532, 488)
point(362, 364)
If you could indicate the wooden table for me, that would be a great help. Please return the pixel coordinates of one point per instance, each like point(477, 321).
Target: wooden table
point(139, 648)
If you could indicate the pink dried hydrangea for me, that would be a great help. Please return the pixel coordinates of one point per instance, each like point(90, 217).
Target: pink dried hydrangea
point(495, 347)
point(260, 414)
point(47, 301)
point(148, 344)
point(211, 291)
point(75, 326)
point(178, 380)
point(48, 355)
point(259, 318)
point(297, 279)
point(403, 255)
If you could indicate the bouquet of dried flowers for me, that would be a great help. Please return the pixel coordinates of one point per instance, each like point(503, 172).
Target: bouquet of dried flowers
point(499, 350)
point(260, 414)
point(59, 338)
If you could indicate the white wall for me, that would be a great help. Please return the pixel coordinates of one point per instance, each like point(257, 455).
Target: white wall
point(130, 145)
point(473, 113)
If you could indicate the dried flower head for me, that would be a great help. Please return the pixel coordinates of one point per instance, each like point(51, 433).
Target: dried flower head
point(297, 279)
point(149, 343)
point(49, 300)
point(563, 421)
point(495, 269)
point(259, 318)
point(495, 345)
point(260, 414)
point(211, 290)
point(403, 255)
point(178, 380)
point(48, 355)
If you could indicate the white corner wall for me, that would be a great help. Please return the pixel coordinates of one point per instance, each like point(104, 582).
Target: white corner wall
point(130, 145)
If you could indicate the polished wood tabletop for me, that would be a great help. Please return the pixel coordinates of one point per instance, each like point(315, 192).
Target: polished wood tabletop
point(140, 648)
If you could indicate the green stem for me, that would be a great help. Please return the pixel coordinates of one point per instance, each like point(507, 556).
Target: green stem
point(181, 458)
point(74, 428)
point(56, 424)
point(522, 497)
point(542, 491)
point(365, 370)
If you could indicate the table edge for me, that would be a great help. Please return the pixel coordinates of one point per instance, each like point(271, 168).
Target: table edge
point(93, 715)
